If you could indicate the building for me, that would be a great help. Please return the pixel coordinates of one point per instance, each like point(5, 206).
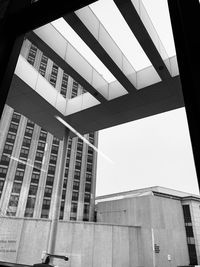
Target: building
point(29, 157)
point(172, 216)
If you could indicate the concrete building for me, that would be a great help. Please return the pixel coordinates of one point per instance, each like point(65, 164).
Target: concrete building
point(172, 216)
point(29, 157)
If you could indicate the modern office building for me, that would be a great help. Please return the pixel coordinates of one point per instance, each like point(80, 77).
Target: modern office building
point(172, 216)
point(29, 157)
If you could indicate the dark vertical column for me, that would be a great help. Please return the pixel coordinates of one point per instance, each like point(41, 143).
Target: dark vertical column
point(10, 45)
point(185, 25)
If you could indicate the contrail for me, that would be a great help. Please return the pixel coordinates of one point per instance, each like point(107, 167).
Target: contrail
point(84, 139)
point(24, 162)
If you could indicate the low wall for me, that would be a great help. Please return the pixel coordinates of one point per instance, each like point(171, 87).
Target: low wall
point(86, 244)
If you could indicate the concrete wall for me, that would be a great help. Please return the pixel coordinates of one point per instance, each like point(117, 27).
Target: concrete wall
point(163, 217)
point(86, 244)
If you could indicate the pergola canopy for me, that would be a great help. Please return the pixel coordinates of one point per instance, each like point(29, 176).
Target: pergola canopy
point(132, 95)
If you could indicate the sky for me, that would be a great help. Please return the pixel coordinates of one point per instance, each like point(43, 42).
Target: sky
point(154, 151)
point(151, 151)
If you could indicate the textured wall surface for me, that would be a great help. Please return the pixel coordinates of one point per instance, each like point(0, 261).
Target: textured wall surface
point(86, 244)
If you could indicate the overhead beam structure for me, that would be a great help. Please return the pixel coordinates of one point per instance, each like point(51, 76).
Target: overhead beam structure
point(134, 21)
point(119, 73)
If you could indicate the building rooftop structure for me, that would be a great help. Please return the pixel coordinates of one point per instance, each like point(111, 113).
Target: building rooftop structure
point(153, 190)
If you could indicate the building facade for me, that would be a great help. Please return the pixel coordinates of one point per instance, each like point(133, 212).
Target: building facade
point(29, 157)
point(172, 216)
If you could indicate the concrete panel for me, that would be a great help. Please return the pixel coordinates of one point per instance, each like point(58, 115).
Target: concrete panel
point(102, 256)
point(121, 246)
point(10, 233)
point(34, 240)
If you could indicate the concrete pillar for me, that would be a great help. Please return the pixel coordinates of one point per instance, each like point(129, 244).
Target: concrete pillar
point(48, 69)
point(38, 58)
point(69, 87)
point(57, 200)
point(43, 176)
point(70, 180)
point(27, 174)
point(59, 79)
point(56, 179)
point(82, 182)
point(25, 48)
point(13, 165)
point(4, 126)
point(93, 182)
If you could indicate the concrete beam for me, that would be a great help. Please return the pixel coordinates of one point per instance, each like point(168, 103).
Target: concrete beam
point(133, 19)
point(80, 28)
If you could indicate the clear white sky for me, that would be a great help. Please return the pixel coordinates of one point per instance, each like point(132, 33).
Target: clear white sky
point(147, 152)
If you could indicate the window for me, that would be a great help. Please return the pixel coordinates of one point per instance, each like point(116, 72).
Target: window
point(37, 166)
point(66, 172)
point(8, 149)
point(16, 188)
point(186, 213)
point(75, 196)
point(54, 149)
point(192, 254)
point(79, 147)
point(76, 185)
point(87, 187)
point(21, 165)
point(30, 123)
point(50, 180)
point(88, 177)
point(189, 231)
point(3, 172)
point(28, 132)
point(89, 168)
point(47, 192)
point(13, 127)
point(41, 146)
point(30, 204)
point(87, 198)
point(45, 208)
point(53, 159)
point(5, 160)
point(1, 185)
point(39, 156)
point(78, 165)
point(16, 117)
point(10, 138)
point(62, 206)
point(26, 142)
point(43, 65)
point(74, 207)
point(32, 54)
point(78, 155)
point(35, 178)
point(33, 190)
point(63, 194)
point(13, 202)
point(90, 158)
point(65, 184)
point(51, 170)
point(24, 152)
point(19, 175)
point(43, 136)
point(56, 141)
